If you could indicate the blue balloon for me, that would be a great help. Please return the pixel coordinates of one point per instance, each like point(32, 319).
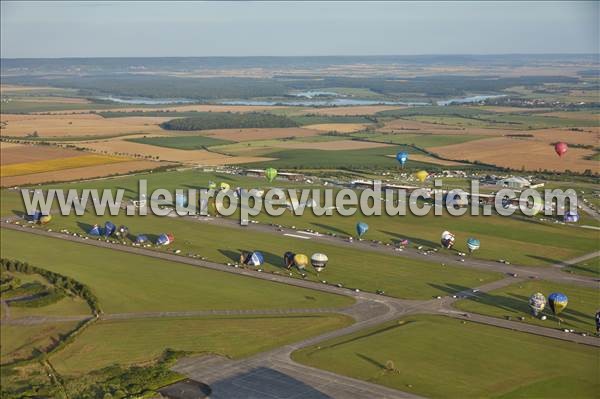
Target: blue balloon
point(109, 229)
point(571, 217)
point(473, 244)
point(402, 157)
point(141, 239)
point(35, 216)
point(361, 228)
point(95, 231)
point(256, 259)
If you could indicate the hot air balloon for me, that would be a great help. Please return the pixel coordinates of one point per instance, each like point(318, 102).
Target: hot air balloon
point(253, 258)
point(447, 239)
point(402, 157)
point(270, 174)
point(45, 219)
point(421, 175)
point(35, 216)
point(122, 231)
point(537, 303)
point(181, 200)
point(165, 239)
point(571, 217)
point(319, 261)
point(224, 186)
point(95, 231)
point(141, 239)
point(109, 229)
point(212, 185)
point(288, 259)
point(561, 148)
point(473, 244)
point(557, 302)
point(301, 261)
point(361, 228)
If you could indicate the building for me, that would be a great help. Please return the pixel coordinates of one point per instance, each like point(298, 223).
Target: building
point(514, 182)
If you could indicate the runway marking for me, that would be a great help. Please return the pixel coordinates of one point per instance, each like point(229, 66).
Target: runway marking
point(296, 236)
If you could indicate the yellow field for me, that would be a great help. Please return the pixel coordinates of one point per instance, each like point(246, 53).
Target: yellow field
point(77, 125)
point(337, 127)
point(26, 168)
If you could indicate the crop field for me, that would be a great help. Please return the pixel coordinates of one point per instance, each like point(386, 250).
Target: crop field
point(260, 134)
point(76, 125)
point(338, 127)
point(513, 301)
point(142, 340)
point(88, 172)
point(17, 169)
point(527, 154)
point(439, 357)
point(147, 284)
point(181, 142)
point(425, 140)
point(201, 157)
point(13, 153)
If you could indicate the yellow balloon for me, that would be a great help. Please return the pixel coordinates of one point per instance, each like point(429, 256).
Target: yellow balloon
point(421, 175)
point(301, 261)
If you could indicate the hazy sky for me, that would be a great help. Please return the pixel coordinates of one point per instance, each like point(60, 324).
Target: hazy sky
point(82, 29)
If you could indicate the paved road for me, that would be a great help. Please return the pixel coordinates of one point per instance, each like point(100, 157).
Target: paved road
point(578, 259)
point(274, 375)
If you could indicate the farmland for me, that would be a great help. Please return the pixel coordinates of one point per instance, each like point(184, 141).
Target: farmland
point(162, 313)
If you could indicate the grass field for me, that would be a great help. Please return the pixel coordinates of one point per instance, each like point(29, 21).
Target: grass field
point(147, 284)
point(439, 357)
point(181, 142)
point(369, 271)
point(142, 340)
point(18, 342)
point(587, 268)
point(18, 169)
point(513, 301)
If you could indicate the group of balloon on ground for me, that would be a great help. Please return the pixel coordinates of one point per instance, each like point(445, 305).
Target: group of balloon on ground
point(122, 232)
point(290, 259)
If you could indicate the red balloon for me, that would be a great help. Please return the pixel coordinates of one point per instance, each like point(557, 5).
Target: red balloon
point(561, 148)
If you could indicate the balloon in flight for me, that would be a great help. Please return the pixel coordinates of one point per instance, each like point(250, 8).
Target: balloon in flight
point(421, 175)
point(270, 174)
point(402, 157)
point(561, 148)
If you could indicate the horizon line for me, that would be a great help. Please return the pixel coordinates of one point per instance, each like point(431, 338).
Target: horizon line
point(305, 56)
